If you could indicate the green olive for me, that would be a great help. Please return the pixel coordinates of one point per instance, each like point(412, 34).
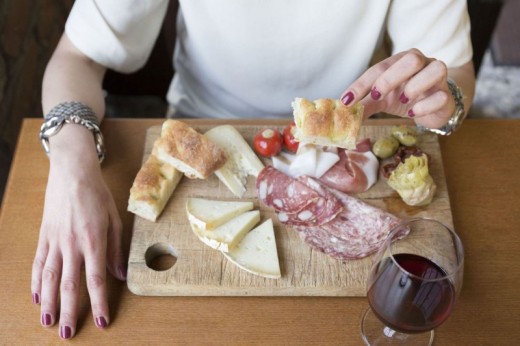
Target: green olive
point(405, 135)
point(385, 147)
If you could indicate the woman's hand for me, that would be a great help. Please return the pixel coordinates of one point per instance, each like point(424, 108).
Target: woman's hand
point(80, 226)
point(407, 84)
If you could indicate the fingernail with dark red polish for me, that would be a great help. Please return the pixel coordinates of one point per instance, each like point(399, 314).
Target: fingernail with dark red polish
point(375, 94)
point(101, 322)
point(348, 98)
point(122, 271)
point(46, 319)
point(411, 114)
point(403, 98)
point(65, 332)
point(36, 298)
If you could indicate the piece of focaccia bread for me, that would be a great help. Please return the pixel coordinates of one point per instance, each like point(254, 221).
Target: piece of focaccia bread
point(152, 188)
point(188, 151)
point(327, 122)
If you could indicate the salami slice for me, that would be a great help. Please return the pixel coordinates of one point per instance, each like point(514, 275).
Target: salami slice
point(331, 207)
point(283, 193)
point(308, 216)
point(330, 221)
point(298, 202)
point(358, 231)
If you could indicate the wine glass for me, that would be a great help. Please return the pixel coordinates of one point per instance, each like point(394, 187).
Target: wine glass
point(413, 284)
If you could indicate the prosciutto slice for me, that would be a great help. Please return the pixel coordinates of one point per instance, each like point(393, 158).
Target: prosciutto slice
point(356, 171)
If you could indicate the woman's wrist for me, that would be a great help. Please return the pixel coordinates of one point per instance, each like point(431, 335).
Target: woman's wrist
point(74, 144)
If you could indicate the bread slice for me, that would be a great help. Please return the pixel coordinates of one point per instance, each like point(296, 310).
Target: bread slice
point(188, 151)
point(327, 122)
point(152, 188)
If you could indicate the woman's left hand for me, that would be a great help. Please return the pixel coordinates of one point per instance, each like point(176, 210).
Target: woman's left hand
point(407, 84)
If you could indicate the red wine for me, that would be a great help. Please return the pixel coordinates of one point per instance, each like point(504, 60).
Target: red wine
point(407, 303)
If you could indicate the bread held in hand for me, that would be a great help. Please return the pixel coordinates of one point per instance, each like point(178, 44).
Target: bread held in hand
point(327, 122)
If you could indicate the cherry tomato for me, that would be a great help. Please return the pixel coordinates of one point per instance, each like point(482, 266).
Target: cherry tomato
point(268, 142)
point(288, 137)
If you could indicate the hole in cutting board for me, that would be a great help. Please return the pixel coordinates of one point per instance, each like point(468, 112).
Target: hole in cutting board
point(160, 257)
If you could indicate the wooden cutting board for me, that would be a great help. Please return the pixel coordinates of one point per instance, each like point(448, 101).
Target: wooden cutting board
point(199, 270)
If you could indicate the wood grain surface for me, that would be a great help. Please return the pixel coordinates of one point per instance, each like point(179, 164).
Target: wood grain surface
point(199, 270)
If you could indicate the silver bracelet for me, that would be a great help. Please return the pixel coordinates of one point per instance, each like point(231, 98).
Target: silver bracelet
point(456, 119)
point(71, 113)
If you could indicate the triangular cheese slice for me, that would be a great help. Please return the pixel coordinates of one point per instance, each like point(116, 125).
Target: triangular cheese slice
point(241, 160)
point(257, 253)
point(209, 214)
point(228, 235)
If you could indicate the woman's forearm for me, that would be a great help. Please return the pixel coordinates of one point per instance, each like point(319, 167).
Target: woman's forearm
point(71, 76)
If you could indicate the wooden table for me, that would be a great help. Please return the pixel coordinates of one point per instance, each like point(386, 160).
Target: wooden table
point(482, 164)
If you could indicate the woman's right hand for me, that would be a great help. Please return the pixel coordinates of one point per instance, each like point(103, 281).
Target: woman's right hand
point(80, 226)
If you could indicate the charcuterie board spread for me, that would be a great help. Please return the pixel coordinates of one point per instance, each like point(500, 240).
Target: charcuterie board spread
point(200, 270)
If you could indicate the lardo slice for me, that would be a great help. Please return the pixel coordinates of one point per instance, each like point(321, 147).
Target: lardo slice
point(312, 160)
point(257, 253)
point(241, 160)
point(228, 235)
point(152, 188)
point(209, 214)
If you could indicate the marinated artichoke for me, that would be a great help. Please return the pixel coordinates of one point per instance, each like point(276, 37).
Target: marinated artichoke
point(412, 180)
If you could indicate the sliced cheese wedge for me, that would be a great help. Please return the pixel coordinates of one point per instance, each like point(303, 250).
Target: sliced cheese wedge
point(228, 235)
point(241, 160)
point(257, 253)
point(209, 214)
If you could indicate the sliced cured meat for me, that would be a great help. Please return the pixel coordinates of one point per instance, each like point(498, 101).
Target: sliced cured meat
point(332, 205)
point(356, 232)
point(283, 193)
point(298, 202)
point(363, 145)
point(319, 212)
point(356, 171)
point(328, 220)
point(308, 216)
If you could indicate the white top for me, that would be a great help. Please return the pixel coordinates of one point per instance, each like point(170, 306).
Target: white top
point(236, 58)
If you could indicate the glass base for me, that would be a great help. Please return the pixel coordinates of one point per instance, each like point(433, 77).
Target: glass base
point(374, 332)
